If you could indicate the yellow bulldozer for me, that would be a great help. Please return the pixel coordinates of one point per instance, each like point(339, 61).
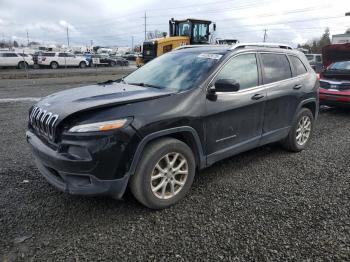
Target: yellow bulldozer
point(181, 32)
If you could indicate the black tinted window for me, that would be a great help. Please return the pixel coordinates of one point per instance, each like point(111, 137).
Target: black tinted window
point(49, 54)
point(62, 55)
point(243, 69)
point(298, 66)
point(9, 55)
point(276, 67)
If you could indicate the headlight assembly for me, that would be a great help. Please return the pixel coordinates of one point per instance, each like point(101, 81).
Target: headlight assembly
point(100, 126)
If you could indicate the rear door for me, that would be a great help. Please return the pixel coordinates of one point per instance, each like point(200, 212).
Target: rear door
point(234, 120)
point(283, 95)
point(72, 60)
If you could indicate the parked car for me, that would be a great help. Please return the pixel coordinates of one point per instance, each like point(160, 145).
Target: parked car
point(103, 59)
point(183, 111)
point(12, 59)
point(61, 59)
point(130, 56)
point(335, 78)
point(315, 61)
point(120, 60)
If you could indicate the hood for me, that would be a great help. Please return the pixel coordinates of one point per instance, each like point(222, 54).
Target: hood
point(335, 53)
point(96, 96)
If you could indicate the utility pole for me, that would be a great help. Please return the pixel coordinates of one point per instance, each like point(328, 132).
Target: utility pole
point(132, 43)
point(67, 36)
point(265, 35)
point(145, 25)
point(91, 43)
point(27, 38)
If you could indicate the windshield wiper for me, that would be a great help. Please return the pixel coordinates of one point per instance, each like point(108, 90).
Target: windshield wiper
point(146, 85)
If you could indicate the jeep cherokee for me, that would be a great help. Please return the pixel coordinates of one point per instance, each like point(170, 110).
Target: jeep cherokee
point(181, 112)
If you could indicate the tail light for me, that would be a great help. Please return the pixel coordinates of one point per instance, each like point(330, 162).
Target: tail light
point(318, 76)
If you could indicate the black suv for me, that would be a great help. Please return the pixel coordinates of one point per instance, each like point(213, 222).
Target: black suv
point(181, 112)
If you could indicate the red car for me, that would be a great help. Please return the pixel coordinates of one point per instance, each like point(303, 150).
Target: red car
point(335, 78)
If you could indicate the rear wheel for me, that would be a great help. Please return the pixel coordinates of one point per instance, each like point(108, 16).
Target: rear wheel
point(82, 64)
point(112, 63)
point(300, 133)
point(54, 65)
point(164, 175)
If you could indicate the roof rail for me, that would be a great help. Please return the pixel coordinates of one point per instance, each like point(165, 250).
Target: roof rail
point(192, 46)
point(262, 44)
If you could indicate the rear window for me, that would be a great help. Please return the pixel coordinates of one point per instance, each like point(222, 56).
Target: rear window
point(298, 66)
point(276, 67)
point(309, 57)
point(49, 54)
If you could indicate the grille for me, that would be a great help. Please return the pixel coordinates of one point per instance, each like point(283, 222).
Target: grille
point(43, 122)
point(344, 86)
point(324, 84)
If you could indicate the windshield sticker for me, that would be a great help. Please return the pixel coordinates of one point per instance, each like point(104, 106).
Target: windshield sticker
point(210, 56)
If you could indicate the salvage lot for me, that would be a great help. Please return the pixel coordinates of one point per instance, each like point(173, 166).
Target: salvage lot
point(265, 204)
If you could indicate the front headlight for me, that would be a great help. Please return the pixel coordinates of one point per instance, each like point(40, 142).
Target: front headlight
point(100, 126)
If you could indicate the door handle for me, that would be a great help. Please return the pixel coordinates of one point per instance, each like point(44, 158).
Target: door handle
point(296, 87)
point(257, 96)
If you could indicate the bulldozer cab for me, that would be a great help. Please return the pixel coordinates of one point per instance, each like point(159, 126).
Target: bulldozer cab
point(197, 30)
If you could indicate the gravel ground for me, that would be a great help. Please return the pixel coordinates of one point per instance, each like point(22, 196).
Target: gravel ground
point(265, 204)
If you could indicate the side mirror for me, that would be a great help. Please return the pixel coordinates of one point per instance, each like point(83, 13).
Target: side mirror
point(226, 85)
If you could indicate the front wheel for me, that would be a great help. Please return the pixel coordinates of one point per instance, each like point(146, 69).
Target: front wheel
point(300, 132)
point(82, 65)
point(164, 175)
point(22, 65)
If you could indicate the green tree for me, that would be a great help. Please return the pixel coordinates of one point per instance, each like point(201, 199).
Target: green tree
point(324, 40)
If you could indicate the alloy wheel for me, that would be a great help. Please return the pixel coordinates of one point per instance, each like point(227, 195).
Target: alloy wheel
point(169, 175)
point(303, 131)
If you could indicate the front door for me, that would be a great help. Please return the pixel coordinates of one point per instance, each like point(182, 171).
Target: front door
point(234, 120)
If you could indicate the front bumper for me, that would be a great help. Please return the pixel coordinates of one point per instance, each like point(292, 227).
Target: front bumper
point(77, 175)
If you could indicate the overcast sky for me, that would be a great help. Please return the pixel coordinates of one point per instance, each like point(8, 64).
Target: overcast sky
point(114, 22)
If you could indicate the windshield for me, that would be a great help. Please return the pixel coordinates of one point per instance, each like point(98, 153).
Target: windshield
point(344, 65)
point(200, 33)
point(174, 71)
point(184, 29)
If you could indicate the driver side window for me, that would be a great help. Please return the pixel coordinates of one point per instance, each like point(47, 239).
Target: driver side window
point(242, 68)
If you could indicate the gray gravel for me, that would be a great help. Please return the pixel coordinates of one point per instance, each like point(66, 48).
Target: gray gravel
point(266, 204)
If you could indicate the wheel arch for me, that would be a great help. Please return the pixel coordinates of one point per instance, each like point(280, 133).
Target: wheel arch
point(186, 134)
point(311, 104)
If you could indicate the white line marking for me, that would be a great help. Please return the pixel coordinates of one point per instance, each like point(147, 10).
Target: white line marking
point(19, 99)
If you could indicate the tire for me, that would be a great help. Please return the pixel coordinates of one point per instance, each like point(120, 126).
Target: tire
point(82, 64)
point(112, 64)
point(145, 190)
point(299, 134)
point(22, 65)
point(54, 65)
